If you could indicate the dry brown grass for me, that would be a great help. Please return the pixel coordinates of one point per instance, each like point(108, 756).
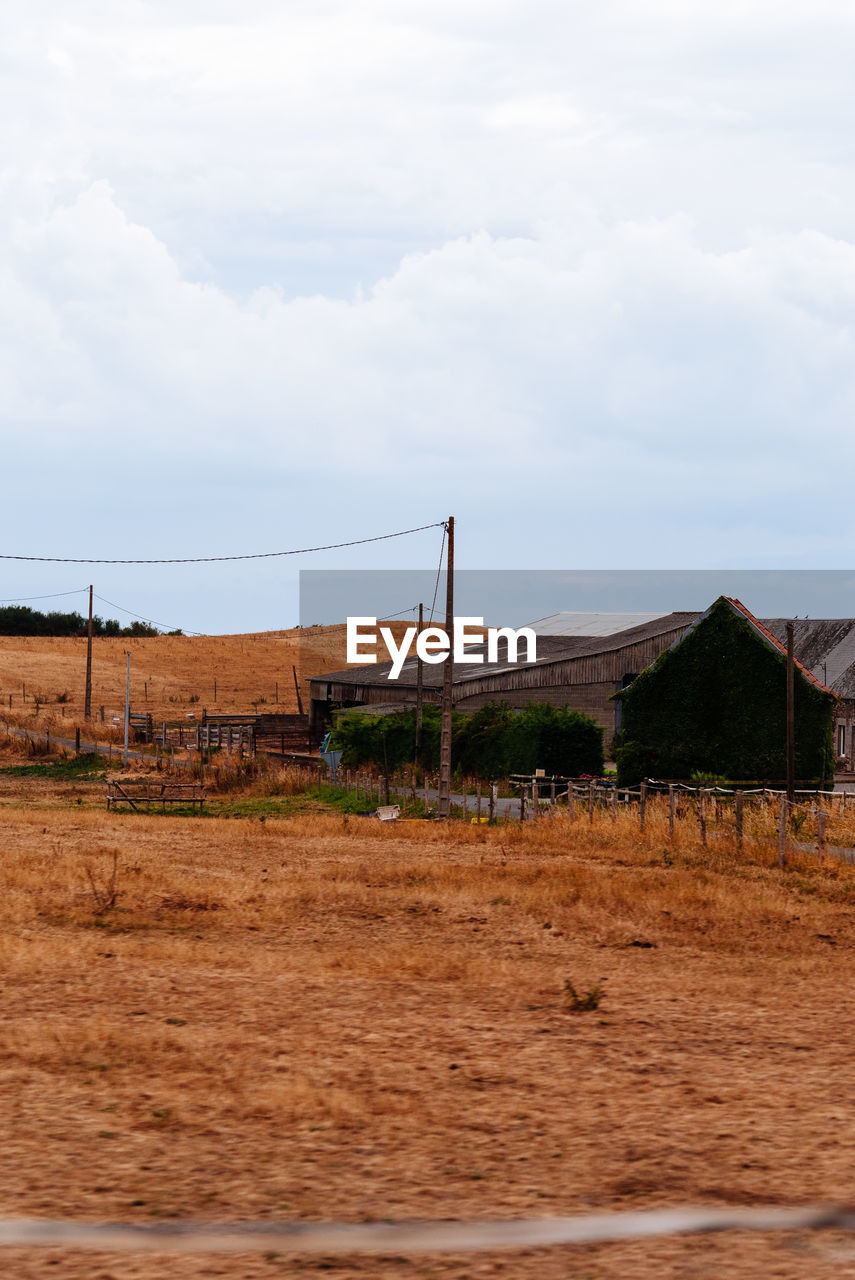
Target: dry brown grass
point(170, 675)
point(331, 1018)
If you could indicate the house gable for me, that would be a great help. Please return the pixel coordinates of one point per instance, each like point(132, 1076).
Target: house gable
point(715, 702)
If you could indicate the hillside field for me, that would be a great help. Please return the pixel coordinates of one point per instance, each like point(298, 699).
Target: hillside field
point(171, 676)
point(325, 1017)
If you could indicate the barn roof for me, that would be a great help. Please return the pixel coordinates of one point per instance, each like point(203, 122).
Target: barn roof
point(576, 623)
point(826, 646)
point(550, 649)
point(760, 629)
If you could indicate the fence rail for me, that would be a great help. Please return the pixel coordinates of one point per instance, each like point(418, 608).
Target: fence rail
point(142, 795)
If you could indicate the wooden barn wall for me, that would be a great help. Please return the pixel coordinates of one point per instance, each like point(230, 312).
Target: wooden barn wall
point(593, 699)
point(593, 668)
point(585, 683)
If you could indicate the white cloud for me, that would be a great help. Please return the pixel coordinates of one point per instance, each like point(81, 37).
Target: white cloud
point(631, 336)
point(479, 250)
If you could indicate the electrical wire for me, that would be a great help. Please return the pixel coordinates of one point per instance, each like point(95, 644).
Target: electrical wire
point(149, 621)
point(438, 570)
point(55, 595)
point(340, 626)
point(261, 555)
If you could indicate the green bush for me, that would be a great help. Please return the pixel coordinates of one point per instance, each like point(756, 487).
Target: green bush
point(489, 743)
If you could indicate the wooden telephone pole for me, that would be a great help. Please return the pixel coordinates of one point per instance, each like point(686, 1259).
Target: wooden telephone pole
point(420, 688)
point(791, 718)
point(444, 805)
point(87, 699)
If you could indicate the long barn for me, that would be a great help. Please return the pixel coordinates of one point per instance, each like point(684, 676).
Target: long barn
point(583, 671)
point(580, 671)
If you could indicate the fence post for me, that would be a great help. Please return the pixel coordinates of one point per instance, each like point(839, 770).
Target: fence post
point(571, 801)
point(671, 810)
point(522, 804)
point(478, 800)
point(642, 805)
point(702, 814)
point(465, 790)
point(614, 803)
point(591, 801)
point(739, 800)
point(494, 795)
point(77, 739)
point(782, 831)
point(820, 831)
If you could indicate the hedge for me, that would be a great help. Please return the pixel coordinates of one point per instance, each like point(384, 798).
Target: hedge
point(490, 743)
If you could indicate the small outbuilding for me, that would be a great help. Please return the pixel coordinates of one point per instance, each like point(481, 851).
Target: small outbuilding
point(715, 702)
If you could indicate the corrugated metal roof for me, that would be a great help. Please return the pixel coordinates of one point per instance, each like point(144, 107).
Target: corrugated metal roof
point(550, 649)
point(826, 646)
point(590, 624)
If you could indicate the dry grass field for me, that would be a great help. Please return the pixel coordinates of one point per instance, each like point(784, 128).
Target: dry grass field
point(170, 675)
point(330, 1018)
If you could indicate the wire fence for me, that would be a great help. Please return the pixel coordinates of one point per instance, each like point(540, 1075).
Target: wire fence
point(414, 1237)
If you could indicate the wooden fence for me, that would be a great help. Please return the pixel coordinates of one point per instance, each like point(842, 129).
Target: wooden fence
point(710, 813)
point(142, 795)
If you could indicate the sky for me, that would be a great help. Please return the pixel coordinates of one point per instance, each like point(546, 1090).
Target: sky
point(283, 274)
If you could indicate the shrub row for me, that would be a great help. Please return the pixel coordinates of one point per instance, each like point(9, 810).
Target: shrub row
point(490, 743)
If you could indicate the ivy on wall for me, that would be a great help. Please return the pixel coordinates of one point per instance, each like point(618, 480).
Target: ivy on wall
point(716, 703)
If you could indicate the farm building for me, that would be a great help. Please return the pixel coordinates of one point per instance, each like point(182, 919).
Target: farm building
point(826, 646)
point(715, 702)
point(582, 667)
point(577, 671)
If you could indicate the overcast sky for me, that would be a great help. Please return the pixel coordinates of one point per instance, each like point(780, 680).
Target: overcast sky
point(278, 273)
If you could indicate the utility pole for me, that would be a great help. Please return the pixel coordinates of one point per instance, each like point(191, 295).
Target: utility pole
point(420, 688)
point(444, 804)
point(87, 698)
point(127, 706)
point(791, 718)
point(297, 689)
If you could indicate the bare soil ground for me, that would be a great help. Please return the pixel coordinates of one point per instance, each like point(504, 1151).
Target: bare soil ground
point(330, 1019)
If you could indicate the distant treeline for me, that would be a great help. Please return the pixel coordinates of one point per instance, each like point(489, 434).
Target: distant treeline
point(20, 620)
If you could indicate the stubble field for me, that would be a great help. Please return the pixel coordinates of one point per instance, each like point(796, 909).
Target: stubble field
point(320, 1018)
point(170, 675)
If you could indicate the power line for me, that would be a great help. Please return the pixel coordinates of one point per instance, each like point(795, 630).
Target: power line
point(163, 625)
point(340, 626)
point(439, 568)
point(261, 555)
point(55, 595)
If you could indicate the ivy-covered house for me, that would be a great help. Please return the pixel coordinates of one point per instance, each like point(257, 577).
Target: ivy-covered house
point(716, 702)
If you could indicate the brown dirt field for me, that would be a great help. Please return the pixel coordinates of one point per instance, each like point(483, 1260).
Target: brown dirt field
point(325, 1019)
point(170, 675)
